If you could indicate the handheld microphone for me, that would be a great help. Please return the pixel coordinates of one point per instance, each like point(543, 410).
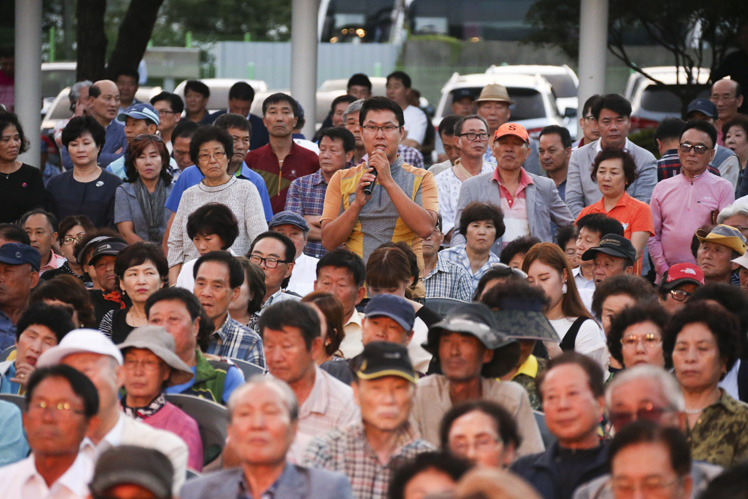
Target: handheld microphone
point(370, 187)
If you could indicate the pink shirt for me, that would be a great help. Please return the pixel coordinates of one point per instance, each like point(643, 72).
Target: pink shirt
point(679, 207)
point(172, 418)
point(514, 207)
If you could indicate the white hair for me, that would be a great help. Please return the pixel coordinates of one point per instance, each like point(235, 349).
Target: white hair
point(289, 398)
point(731, 211)
point(667, 382)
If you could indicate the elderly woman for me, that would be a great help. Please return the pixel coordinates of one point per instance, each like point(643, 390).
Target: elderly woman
point(40, 327)
point(139, 210)
point(735, 132)
point(150, 365)
point(614, 171)
point(635, 336)
point(141, 270)
point(22, 187)
point(702, 340)
point(482, 224)
point(86, 189)
point(210, 149)
point(70, 230)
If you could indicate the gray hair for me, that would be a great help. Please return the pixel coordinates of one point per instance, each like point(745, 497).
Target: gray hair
point(353, 107)
point(75, 90)
point(461, 122)
point(731, 211)
point(668, 384)
point(288, 396)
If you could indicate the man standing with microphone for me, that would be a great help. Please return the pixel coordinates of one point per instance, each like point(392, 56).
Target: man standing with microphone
point(384, 199)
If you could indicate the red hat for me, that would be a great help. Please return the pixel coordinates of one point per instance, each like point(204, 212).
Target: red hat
point(682, 273)
point(512, 129)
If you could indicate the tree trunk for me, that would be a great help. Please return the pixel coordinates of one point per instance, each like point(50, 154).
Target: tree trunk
point(133, 36)
point(91, 40)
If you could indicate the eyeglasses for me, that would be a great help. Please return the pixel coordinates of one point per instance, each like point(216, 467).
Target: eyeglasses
point(649, 413)
point(62, 410)
point(699, 149)
point(679, 294)
point(164, 112)
point(385, 128)
point(71, 239)
point(723, 98)
point(147, 365)
point(652, 485)
point(270, 263)
point(475, 137)
point(482, 444)
point(152, 136)
point(205, 156)
point(507, 270)
point(589, 118)
point(650, 340)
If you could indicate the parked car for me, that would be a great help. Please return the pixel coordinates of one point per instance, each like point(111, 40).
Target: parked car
point(651, 103)
point(534, 103)
point(563, 80)
point(330, 89)
point(219, 92)
point(55, 77)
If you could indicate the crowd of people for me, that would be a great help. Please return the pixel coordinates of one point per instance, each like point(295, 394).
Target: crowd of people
point(527, 317)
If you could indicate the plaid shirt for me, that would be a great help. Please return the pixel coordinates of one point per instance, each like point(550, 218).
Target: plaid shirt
point(237, 342)
point(348, 451)
point(457, 254)
point(669, 165)
point(306, 196)
point(448, 280)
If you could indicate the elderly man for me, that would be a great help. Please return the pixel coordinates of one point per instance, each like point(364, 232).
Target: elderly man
point(19, 274)
point(725, 161)
point(274, 253)
point(572, 392)
point(717, 250)
point(306, 195)
point(443, 278)
point(93, 354)
point(40, 327)
point(727, 96)
point(218, 280)
point(291, 335)
point(179, 312)
point(367, 451)
point(401, 203)
point(675, 221)
point(649, 393)
point(529, 202)
point(472, 353)
point(294, 226)
point(615, 255)
point(450, 144)
point(263, 421)
point(103, 104)
point(41, 227)
point(612, 114)
point(60, 406)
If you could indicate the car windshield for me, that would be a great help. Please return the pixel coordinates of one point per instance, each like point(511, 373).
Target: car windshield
point(528, 103)
point(563, 85)
point(662, 99)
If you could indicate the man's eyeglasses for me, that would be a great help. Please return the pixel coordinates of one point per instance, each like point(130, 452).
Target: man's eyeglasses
point(62, 410)
point(384, 128)
point(205, 156)
point(685, 147)
point(650, 340)
point(589, 118)
point(164, 112)
point(649, 413)
point(679, 294)
point(270, 262)
point(473, 137)
point(151, 136)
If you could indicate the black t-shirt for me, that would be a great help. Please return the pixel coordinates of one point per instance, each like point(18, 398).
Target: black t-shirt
point(21, 191)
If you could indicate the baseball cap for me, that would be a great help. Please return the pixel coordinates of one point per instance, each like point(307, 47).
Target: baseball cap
point(462, 93)
point(288, 218)
point(476, 319)
point(396, 308)
point(493, 92)
point(512, 129)
point(704, 106)
point(132, 464)
point(80, 341)
point(140, 111)
point(613, 245)
point(19, 253)
point(724, 235)
point(382, 358)
point(110, 246)
point(682, 273)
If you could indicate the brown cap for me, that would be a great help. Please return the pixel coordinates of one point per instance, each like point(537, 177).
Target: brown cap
point(494, 92)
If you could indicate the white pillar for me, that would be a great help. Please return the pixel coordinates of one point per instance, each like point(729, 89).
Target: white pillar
point(593, 47)
point(304, 59)
point(28, 81)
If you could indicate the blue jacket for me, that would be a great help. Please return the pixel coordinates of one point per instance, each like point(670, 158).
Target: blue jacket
point(296, 482)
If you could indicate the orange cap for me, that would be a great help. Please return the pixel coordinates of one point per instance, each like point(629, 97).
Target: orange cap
point(512, 129)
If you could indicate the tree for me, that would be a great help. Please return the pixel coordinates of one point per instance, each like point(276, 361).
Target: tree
point(694, 31)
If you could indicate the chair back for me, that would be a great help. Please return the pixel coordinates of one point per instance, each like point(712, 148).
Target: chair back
point(17, 400)
point(545, 434)
point(248, 369)
point(6, 353)
point(211, 421)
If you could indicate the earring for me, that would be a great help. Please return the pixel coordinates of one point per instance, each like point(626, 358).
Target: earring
point(564, 289)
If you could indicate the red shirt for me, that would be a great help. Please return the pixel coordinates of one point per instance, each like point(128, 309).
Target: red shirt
point(298, 163)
